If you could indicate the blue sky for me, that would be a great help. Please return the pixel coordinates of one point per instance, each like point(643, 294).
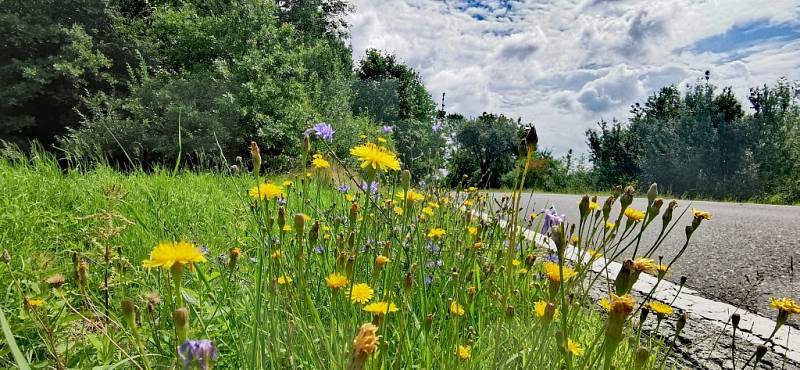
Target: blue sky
point(565, 64)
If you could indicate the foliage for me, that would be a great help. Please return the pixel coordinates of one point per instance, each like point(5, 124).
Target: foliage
point(485, 149)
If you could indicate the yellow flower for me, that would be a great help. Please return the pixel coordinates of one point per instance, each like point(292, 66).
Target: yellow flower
point(515, 262)
point(428, 211)
point(336, 280)
point(634, 215)
point(786, 305)
point(464, 352)
point(575, 239)
point(398, 211)
point(662, 269)
point(644, 264)
point(305, 217)
point(382, 140)
point(573, 347)
point(551, 269)
point(594, 205)
point(319, 162)
point(468, 203)
point(594, 253)
point(167, 254)
point(436, 233)
point(433, 205)
point(456, 309)
point(34, 303)
point(361, 293)
point(472, 230)
point(380, 308)
point(287, 228)
point(540, 308)
point(283, 280)
point(277, 254)
point(381, 260)
point(349, 197)
point(610, 225)
point(266, 191)
point(411, 196)
point(471, 189)
point(533, 216)
point(308, 174)
point(376, 157)
point(522, 271)
point(287, 184)
point(701, 214)
point(365, 341)
point(659, 308)
point(621, 305)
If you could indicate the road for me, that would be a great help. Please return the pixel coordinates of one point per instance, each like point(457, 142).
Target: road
point(743, 256)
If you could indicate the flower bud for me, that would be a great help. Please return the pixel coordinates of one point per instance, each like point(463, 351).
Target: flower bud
point(405, 179)
point(306, 144)
point(652, 193)
point(643, 314)
point(583, 206)
point(655, 208)
point(281, 217)
point(409, 281)
point(255, 156)
point(761, 350)
point(83, 273)
point(627, 198)
point(353, 213)
point(299, 223)
point(233, 257)
point(180, 319)
point(607, 206)
point(735, 318)
point(531, 139)
point(642, 357)
point(623, 282)
point(128, 312)
point(313, 235)
point(667, 216)
point(680, 323)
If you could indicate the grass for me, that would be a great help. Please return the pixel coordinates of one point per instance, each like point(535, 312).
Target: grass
point(77, 239)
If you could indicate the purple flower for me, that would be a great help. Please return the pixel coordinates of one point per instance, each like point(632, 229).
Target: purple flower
point(319, 249)
point(437, 126)
point(324, 131)
point(551, 258)
point(551, 219)
point(344, 188)
point(388, 129)
point(200, 352)
point(433, 248)
point(428, 280)
point(372, 188)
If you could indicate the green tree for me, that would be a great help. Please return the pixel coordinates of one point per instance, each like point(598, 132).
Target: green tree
point(485, 150)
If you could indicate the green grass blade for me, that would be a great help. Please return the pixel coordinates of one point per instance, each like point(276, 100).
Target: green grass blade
point(22, 364)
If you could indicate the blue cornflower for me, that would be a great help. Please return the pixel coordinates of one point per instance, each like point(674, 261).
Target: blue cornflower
point(434, 248)
point(388, 129)
point(428, 280)
point(200, 352)
point(344, 188)
point(319, 249)
point(551, 219)
point(372, 188)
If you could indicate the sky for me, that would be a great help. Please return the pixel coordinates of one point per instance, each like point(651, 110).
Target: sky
point(565, 64)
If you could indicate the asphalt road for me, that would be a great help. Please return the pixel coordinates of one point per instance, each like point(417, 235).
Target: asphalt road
point(743, 256)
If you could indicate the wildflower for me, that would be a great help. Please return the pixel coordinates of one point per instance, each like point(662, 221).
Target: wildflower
point(573, 347)
point(167, 254)
point(372, 188)
point(180, 319)
point(319, 162)
point(456, 309)
point(545, 310)
point(336, 280)
point(468, 203)
point(428, 280)
point(618, 307)
point(610, 225)
point(644, 265)
point(381, 260)
point(786, 307)
point(551, 269)
point(376, 157)
point(472, 230)
point(660, 309)
point(365, 342)
point(286, 228)
point(200, 352)
point(522, 271)
point(255, 156)
point(551, 219)
point(387, 129)
point(593, 253)
point(287, 183)
point(464, 352)
point(266, 191)
point(594, 206)
point(380, 308)
point(427, 211)
point(283, 280)
point(277, 254)
point(344, 188)
point(634, 215)
point(622, 305)
point(382, 140)
point(361, 293)
point(436, 233)
point(433, 205)
point(398, 211)
point(33, 303)
point(323, 131)
point(703, 215)
point(411, 196)
point(662, 270)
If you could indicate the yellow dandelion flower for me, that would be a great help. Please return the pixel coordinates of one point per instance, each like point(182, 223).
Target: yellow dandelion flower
point(376, 157)
point(382, 140)
point(703, 215)
point(573, 347)
point(634, 215)
point(428, 211)
point(277, 254)
point(787, 305)
point(410, 196)
point(594, 206)
point(540, 309)
point(398, 211)
point(621, 305)
point(456, 309)
point(472, 230)
point(283, 280)
point(349, 197)
point(436, 233)
point(380, 308)
point(644, 264)
point(533, 216)
point(381, 260)
point(266, 191)
point(433, 205)
point(167, 254)
point(287, 184)
point(662, 269)
point(522, 271)
point(659, 308)
point(575, 239)
point(336, 280)
point(287, 228)
point(464, 352)
point(361, 293)
point(34, 303)
point(471, 189)
point(610, 225)
point(551, 269)
point(515, 262)
point(319, 162)
point(594, 253)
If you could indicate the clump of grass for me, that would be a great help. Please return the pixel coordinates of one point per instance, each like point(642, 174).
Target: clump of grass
point(150, 270)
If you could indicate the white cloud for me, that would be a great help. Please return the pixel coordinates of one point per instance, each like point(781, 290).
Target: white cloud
point(564, 64)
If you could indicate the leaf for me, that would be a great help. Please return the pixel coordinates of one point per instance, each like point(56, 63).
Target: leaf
point(22, 364)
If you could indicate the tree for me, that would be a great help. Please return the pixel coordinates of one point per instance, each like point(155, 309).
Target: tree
point(485, 150)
